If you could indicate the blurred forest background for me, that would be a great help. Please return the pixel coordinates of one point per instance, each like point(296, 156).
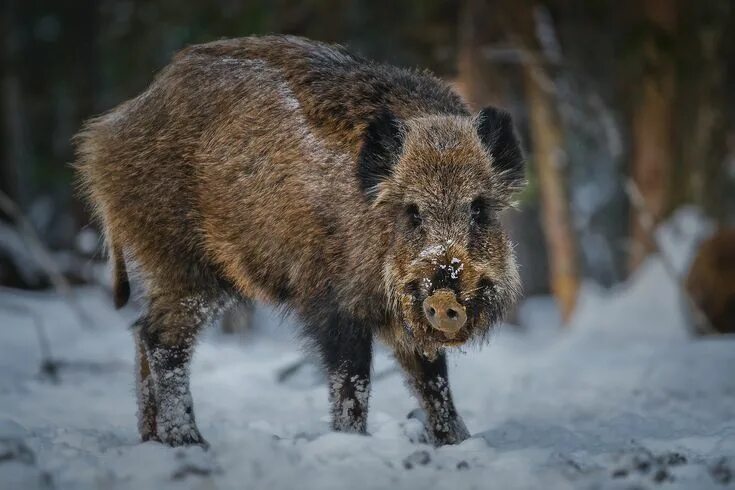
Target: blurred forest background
point(626, 110)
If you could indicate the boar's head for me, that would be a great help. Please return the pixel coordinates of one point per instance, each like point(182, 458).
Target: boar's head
point(442, 181)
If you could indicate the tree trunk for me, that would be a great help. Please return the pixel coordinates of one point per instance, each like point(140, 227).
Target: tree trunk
point(478, 80)
point(701, 115)
point(652, 162)
point(549, 159)
point(14, 179)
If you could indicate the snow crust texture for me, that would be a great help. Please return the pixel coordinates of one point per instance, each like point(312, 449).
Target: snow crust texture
point(622, 399)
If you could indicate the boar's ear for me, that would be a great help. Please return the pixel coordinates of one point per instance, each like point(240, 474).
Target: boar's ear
point(381, 148)
point(495, 128)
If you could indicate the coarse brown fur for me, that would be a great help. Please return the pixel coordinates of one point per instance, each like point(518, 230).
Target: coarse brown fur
point(262, 168)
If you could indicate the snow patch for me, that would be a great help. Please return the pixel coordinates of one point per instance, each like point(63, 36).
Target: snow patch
point(623, 398)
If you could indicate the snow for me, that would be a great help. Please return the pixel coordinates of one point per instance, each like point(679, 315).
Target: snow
point(623, 398)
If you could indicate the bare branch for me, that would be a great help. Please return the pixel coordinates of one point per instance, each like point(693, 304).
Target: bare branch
point(48, 366)
point(43, 257)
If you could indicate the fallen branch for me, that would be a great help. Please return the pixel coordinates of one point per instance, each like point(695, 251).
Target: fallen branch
point(43, 257)
point(49, 367)
point(288, 371)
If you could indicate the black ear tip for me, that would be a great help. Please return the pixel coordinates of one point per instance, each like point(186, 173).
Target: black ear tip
point(495, 129)
point(495, 117)
point(494, 125)
point(490, 111)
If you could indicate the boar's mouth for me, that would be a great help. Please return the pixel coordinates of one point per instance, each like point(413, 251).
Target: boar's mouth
point(484, 309)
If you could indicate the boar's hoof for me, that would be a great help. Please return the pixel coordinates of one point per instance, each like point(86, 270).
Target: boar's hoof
point(178, 438)
point(441, 432)
point(448, 433)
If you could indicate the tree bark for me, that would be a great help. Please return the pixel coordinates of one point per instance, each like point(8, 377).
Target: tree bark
point(701, 115)
point(549, 160)
point(478, 80)
point(652, 161)
point(14, 164)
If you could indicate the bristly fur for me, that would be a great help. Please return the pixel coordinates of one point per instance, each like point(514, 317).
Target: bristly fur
point(381, 150)
point(497, 134)
point(300, 174)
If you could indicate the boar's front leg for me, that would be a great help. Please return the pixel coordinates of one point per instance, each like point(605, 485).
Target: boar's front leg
point(346, 349)
point(429, 380)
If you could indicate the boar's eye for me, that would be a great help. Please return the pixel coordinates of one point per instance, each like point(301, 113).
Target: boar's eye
point(413, 215)
point(479, 213)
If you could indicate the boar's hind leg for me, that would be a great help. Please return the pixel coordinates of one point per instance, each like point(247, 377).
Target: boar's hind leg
point(428, 379)
point(346, 349)
point(168, 332)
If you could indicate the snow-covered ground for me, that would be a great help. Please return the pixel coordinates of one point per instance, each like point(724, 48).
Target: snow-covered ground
point(624, 398)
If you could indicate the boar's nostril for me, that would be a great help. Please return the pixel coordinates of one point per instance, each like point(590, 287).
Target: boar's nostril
point(444, 312)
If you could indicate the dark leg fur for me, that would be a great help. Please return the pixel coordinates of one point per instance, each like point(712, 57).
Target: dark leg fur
point(346, 349)
point(430, 382)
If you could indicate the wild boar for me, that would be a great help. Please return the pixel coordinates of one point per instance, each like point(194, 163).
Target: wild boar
point(362, 197)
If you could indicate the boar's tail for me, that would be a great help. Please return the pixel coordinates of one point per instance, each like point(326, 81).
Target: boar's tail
point(120, 281)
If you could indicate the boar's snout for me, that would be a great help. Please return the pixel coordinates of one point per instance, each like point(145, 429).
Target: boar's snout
point(444, 312)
